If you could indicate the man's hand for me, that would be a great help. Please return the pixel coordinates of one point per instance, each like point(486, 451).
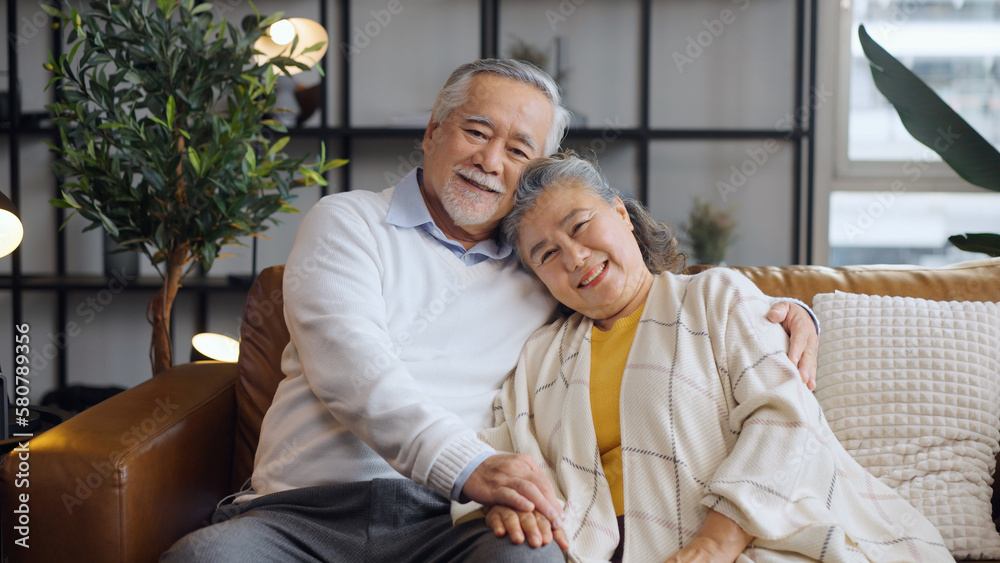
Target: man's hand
point(803, 347)
point(521, 525)
point(516, 481)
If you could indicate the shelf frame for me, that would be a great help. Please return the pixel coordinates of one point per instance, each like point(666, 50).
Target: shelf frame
point(345, 135)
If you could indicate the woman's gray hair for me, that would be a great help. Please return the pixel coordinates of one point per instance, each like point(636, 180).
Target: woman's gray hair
point(456, 91)
point(656, 239)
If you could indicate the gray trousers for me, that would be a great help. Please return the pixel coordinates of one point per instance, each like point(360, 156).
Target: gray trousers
point(391, 520)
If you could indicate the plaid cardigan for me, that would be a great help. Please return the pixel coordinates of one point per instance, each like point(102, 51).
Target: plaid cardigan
point(714, 415)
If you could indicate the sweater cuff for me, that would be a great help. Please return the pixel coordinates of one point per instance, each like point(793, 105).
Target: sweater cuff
point(451, 462)
point(801, 304)
point(456, 489)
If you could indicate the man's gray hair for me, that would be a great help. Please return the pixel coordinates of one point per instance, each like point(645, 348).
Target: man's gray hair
point(656, 239)
point(456, 91)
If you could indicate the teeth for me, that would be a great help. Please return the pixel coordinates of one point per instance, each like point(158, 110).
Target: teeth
point(594, 276)
point(483, 187)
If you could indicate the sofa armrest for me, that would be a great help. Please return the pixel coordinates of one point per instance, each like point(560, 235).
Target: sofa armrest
point(143, 468)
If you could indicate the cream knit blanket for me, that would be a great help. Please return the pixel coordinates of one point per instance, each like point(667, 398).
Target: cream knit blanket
point(714, 415)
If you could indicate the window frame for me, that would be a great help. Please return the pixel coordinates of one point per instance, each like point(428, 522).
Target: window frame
point(834, 171)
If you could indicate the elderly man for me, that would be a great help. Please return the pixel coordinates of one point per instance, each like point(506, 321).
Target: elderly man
point(406, 313)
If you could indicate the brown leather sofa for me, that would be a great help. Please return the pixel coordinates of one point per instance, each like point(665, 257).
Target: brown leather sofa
point(120, 482)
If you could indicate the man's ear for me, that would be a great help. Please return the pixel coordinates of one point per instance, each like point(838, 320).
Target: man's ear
point(428, 133)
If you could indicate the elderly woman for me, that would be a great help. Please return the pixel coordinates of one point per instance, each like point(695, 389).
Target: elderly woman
point(667, 403)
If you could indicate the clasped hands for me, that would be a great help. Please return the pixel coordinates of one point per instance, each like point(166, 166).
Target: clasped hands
point(522, 502)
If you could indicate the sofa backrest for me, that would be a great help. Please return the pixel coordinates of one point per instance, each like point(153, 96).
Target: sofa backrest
point(263, 335)
point(977, 280)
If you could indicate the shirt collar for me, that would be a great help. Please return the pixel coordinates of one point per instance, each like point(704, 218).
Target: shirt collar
point(408, 210)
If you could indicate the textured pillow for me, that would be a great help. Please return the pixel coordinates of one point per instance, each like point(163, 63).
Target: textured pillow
point(911, 389)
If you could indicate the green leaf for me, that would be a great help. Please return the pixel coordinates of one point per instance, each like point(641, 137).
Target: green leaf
point(277, 16)
point(250, 159)
point(313, 47)
point(133, 77)
point(987, 243)
point(311, 177)
point(61, 203)
point(277, 146)
point(66, 221)
point(336, 163)
point(108, 225)
point(52, 11)
point(195, 160)
point(275, 125)
point(171, 111)
point(159, 121)
point(931, 121)
point(167, 7)
point(153, 177)
point(204, 7)
point(70, 200)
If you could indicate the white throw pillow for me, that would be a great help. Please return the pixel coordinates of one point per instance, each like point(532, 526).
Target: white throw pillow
point(911, 388)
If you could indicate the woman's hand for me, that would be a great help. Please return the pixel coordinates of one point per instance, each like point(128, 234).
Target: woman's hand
point(720, 540)
point(532, 526)
point(701, 550)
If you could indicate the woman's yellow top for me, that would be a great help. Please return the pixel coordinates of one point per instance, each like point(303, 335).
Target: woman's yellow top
point(609, 352)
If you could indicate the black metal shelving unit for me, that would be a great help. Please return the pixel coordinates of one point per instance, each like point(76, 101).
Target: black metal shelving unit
point(344, 136)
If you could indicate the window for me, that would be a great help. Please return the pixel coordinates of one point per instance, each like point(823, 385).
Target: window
point(907, 228)
point(952, 45)
point(881, 196)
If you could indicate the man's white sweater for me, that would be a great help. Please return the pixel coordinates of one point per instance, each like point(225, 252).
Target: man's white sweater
point(397, 350)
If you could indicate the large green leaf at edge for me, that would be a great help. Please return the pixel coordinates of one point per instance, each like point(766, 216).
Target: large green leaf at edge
point(929, 119)
point(987, 243)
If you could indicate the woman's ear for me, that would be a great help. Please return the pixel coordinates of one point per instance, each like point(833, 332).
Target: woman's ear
point(619, 207)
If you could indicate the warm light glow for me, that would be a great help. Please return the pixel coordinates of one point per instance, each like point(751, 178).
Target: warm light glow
point(277, 42)
point(11, 230)
point(282, 32)
point(217, 346)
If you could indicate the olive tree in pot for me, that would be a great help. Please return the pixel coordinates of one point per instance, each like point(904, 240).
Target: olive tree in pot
point(164, 136)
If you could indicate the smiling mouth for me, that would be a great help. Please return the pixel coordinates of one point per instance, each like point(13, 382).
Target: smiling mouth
point(593, 276)
point(479, 186)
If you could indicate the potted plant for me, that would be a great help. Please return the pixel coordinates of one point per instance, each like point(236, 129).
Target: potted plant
point(162, 118)
point(927, 117)
point(709, 232)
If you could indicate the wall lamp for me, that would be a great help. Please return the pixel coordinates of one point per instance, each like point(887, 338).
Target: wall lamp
point(11, 233)
point(212, 346)
point(280, 35)
point(11, 230)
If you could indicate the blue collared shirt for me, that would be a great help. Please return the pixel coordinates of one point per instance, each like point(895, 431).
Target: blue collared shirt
point(408, 209)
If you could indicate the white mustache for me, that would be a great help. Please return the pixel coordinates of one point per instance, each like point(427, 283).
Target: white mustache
point(479, 177)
